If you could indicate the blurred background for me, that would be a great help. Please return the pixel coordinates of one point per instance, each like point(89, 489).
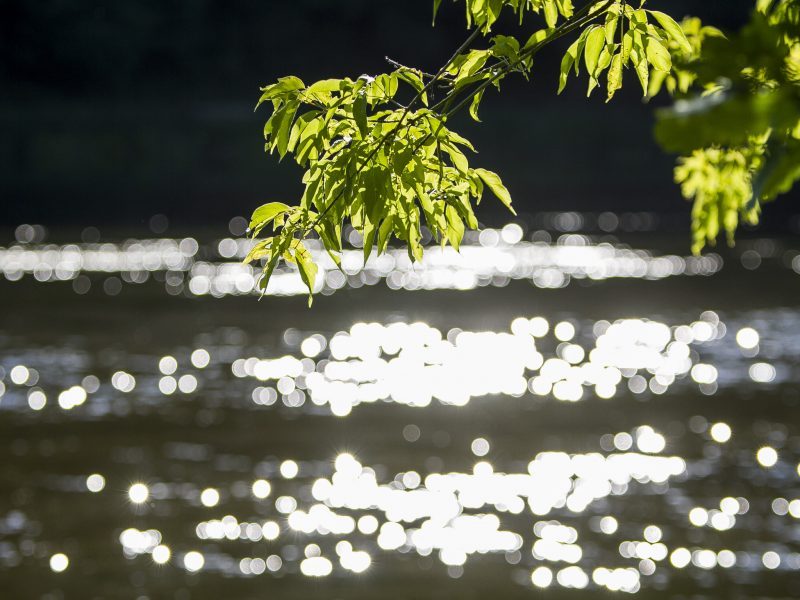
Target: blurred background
point(571, 406)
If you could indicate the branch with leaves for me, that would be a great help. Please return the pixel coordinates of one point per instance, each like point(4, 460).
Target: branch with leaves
point(379, 153)
point(736, 118)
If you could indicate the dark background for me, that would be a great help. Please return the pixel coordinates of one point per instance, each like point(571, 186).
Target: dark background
point(111, 112)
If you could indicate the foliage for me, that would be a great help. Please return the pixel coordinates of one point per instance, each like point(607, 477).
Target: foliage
point(738, 118)
point(379, 153)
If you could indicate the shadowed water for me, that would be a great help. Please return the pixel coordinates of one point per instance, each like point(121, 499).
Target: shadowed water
point(569, 414)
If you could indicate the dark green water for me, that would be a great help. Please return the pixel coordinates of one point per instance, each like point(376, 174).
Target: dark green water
point(629, 432)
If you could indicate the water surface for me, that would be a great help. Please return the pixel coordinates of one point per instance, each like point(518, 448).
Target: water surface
point(540, 412)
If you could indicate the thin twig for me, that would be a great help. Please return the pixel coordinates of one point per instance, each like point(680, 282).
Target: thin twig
point(398, 65)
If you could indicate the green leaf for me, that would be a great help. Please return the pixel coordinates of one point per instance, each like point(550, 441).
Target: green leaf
point(424, 198)
point(780, 171)
point(614, 76)
point(493, 12)
point(436, 5)
point(401, 159)
point(464, 208)
point(595, 43)
point(612, 19)
point(566, 8)
point(569, 59)
point(264, 214)
point(505, 46)
point(639, 17)
point(413, 78)
point(468, 64)
point(658, 55)
point(299, 126)
point(457, 138)
point(308, 269)
point(642, 69)
point(308, 141)
point(550, 13)
point(385, 232)
point(537, 38)
point(259, 251)
point(329, 234)
point(460, 161)
point(475, 105)
point(672, 28)
point(278, 247)
point(382, 89)
point(360, 114)
point(455, 227)
point(324, 86)
point(763, 6)
point(723, 121)
point(283, 86)
point(496, 185)
point(656, 81)
point(283, 124)
point(407, 227)
point(605, 59)
point(627, 44)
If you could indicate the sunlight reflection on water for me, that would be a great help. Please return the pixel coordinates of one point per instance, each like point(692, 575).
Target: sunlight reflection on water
point(555, 452)
point(493, 257)
point(324, 518)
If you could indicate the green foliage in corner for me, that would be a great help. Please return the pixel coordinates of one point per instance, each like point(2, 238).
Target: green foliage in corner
point(379, 152)
point(736, 118)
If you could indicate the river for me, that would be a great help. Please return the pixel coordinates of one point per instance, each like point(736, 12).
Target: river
point(544, 411)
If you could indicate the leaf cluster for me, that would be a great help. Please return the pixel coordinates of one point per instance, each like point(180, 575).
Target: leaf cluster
point(636, 38)
point(484, 13)
point(737, 120)
point(380, 154)
point(370, 161)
